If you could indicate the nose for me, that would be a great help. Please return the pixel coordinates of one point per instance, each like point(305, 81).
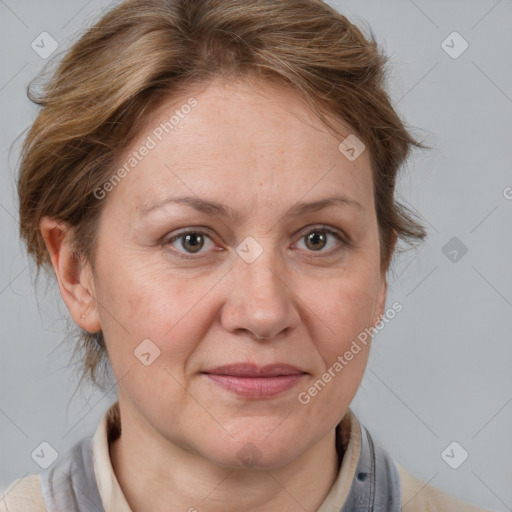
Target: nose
point(259, 300)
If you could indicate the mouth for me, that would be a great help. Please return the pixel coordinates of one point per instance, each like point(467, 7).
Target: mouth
point(252, 381)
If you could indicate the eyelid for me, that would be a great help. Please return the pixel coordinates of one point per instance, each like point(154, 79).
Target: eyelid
point(324, 227)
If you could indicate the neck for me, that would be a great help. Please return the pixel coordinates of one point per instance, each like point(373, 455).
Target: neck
point(165, 473)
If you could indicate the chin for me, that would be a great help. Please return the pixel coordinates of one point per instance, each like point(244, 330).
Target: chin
point(250, 456)
point(256, 448)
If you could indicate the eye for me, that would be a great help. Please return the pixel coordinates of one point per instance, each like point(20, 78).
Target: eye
point(317, 239)
point(189, 242)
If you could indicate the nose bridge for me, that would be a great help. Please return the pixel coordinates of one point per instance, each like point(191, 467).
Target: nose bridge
point(259, 300)
point(258, 268)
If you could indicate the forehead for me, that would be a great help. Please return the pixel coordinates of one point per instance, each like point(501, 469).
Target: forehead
point(234, 141)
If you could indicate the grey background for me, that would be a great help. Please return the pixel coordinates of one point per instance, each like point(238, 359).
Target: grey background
point(440, 371)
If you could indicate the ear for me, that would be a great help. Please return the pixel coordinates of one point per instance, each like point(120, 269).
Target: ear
point(74, 275)
point(381, 299)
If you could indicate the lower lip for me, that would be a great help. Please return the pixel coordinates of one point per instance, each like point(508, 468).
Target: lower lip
point(257, 387)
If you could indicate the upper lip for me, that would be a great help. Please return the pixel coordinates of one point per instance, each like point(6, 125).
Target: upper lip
point(253, 370)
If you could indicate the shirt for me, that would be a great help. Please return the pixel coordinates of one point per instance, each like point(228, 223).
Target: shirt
point(25, 495)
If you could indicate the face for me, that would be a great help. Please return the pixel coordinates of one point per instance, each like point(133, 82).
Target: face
point(229, 280)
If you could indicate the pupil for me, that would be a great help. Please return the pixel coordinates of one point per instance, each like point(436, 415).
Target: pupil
point(315, 237)
point(189, 239)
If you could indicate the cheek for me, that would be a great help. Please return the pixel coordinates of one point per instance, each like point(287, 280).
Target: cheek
point(343, 314)
point(139, 303)
point(345, 307)
point(165, 311)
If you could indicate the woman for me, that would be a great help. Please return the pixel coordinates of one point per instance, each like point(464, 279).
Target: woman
point(212, 183)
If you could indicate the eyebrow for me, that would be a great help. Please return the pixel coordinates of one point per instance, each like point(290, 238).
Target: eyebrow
point(220, 210)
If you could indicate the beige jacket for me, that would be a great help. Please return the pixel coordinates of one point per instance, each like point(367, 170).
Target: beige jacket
point(24, 494)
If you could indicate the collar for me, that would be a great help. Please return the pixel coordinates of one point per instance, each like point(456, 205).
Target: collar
point(110, 491)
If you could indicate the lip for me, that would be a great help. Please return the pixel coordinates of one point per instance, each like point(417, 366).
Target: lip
point(252, 381)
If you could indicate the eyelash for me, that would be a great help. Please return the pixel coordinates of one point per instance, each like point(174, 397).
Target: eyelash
point(338, 236)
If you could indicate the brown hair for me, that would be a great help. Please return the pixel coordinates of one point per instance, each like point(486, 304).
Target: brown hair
point(144, 51)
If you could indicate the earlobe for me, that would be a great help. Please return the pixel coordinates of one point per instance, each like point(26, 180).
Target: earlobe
point(73, 274)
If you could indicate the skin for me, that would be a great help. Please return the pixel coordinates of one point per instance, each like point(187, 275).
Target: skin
point(258, 149)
